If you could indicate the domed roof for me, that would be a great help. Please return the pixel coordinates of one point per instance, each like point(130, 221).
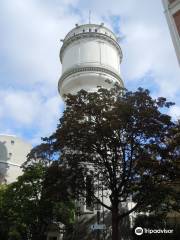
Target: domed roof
point(96, 28)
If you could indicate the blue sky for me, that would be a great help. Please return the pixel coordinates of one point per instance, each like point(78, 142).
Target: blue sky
point(29, 56)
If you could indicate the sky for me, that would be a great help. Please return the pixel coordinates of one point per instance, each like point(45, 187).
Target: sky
point(30, 33)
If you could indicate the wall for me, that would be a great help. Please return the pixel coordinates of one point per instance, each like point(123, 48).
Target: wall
point(13, 152)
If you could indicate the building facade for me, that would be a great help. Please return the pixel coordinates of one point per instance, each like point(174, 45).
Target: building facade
point(172, 12)
point(13, 152)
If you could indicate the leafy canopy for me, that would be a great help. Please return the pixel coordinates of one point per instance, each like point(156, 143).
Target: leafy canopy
point(124, 142)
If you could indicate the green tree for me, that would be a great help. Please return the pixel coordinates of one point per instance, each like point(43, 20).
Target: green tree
point(27, 206)
point(121, 140)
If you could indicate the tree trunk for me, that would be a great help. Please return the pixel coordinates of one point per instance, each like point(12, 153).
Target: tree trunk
point(115, 224)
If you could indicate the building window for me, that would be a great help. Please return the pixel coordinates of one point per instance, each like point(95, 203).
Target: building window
point(171, 1)
point(12, 142)
point(89, 29)
point(10, 154)
point(3, 152)
point(176, 17)
point(95, 30)
point(83, 30)
point(89, 193)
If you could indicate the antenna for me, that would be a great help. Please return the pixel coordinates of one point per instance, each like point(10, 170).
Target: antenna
point(89, 16)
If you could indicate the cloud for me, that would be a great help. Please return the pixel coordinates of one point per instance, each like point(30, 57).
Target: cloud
point(175, 112)
point(21, 106)
point(30, 44)
point(30, 40)
point(30, 110)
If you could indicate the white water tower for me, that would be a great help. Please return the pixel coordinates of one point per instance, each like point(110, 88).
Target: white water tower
point(90, 55)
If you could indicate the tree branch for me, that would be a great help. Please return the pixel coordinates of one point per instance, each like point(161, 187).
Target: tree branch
point(103, 204)
point(128, 212)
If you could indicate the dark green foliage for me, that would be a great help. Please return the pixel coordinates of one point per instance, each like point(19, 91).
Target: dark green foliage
point(124, 141)
point(28, 206)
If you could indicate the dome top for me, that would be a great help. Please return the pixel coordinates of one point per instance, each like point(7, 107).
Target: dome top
point(85, 28)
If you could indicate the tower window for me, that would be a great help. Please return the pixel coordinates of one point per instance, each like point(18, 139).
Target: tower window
point(95, 30)
point(10, 154)
point(12, 142)
point(89, 29)
point(176, 17)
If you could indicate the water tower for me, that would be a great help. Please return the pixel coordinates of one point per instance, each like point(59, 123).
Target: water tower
point(90, 55)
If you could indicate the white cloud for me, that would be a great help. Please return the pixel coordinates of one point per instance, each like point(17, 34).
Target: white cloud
point(30, 44)
point(175, 112)
point(21, 106)
point(31, 40)
point(30, 110)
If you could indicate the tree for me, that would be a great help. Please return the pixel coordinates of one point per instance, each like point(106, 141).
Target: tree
point(122, 140)
point(23, 207)
point(28, 206)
